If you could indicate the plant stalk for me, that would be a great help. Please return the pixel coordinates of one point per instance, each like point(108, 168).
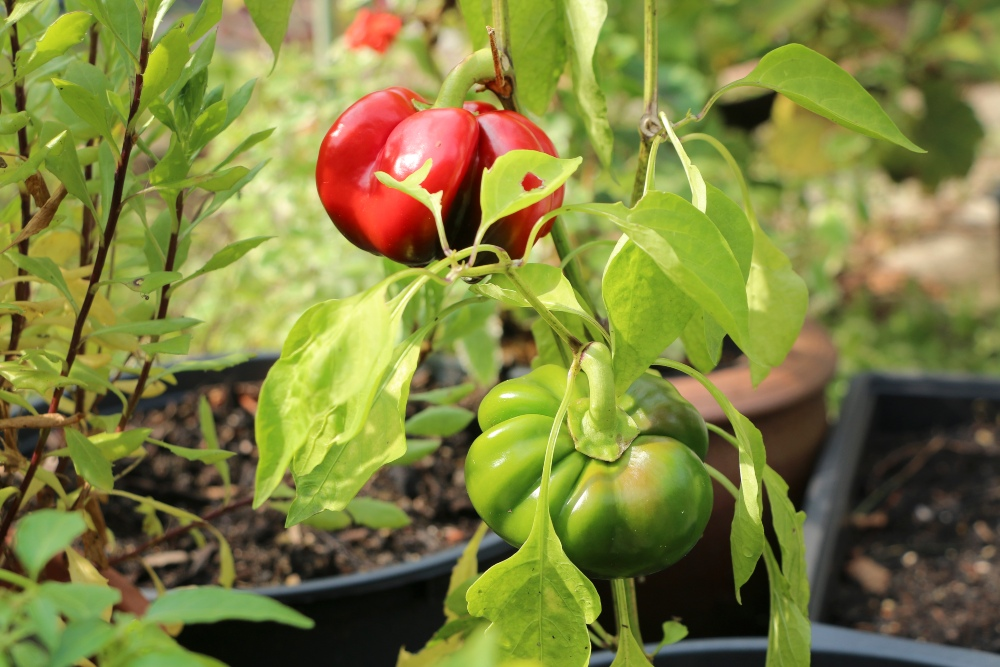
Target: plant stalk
point(475, 68)
point(626, 612)
point(649, 125)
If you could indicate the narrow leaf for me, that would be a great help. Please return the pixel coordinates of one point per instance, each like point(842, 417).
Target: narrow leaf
point(47, 270)
point(439, 420)
point(208, 604)
point(445, 395)
point(584, 19)
point(271, 18)
point(416, 449)
point(228, 255)
point(375, 513)
point(150, 327)
point(166, 62)
point(67, 31)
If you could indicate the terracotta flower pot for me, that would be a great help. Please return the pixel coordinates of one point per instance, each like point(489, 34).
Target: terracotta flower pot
point(789, 408)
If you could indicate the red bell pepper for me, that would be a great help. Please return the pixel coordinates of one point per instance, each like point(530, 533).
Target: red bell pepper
point(384, 131)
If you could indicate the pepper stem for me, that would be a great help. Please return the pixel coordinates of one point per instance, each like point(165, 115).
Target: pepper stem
point(476, 68)
point(600, 429)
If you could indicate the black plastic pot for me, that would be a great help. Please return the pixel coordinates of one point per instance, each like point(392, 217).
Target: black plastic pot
point(831, 647)
point(361, 619)
point(878, 404)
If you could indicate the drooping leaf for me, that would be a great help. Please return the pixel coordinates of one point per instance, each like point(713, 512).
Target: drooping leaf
point(583, 22)
point(271, 18)
point(646, 311)
point(815, 82)
point(42, 534)
point(788, 633)
point(538, 49)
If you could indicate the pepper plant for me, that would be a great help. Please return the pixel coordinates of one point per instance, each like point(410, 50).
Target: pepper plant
point(105, 110)
point(591, 464)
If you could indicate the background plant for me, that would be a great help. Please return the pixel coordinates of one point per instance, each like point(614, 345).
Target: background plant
point(106, 115)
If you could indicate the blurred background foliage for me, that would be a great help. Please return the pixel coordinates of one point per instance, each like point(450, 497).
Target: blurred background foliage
point(901, 251)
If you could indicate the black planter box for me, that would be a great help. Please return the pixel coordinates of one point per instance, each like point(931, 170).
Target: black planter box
point(878, 405)
point(831, 647)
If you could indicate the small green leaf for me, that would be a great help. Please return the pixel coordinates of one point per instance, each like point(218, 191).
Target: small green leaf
point(411, 186)
point(166, 62)
point(231, 253)
point(18, 170)
point(47, 270)
point(151, 281)
point(439, 420)
point(445, 395)
point(21, 9)
point(67, 31)
point(89, 461)
point(328, 520)
point(89, 107)
point(42, 534)
point(630, 653)
point(508, 185)
point(12, 122)
point(416, 450)
point(547, 282)
point(208, 456)
point(246, 145)
point(271, 18)
point(673, 632)
point(208, 604)
point(81, 639)
point(61, 159)
point(176, 345)
point(114, 446)
point(375, 513)
point(122, 18)
point(818, 84)
point(209, 433)
point(584, 19)
point(149, 327)
point(78, 602)
point(208, 15)
point(208, 125)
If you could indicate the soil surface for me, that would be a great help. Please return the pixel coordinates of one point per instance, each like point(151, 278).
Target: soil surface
point(430, 491)
point(924, 560)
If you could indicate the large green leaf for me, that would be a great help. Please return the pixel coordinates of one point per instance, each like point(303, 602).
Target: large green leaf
point(47, 270)
point(92, 108)
point(538, 49)
point(333, 483)
point(271, 18)
point(646, 311)
point(44, 533)
point(80, 640)
point(208, 604)
point(547, 283)
point(733, 225)
point(63, 162)
point(122, 18)
point(166, 62)
point(584, 19)
point(505, 188)
point(89, 461)
point(817, 83)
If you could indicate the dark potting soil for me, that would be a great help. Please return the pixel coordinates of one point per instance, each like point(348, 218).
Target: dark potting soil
point(430, 491)
point(924, 559)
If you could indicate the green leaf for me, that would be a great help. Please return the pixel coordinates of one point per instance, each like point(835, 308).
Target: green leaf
point(78, 602)
point(206, 421)
point(21, 9)
point(504, 191)
point(149, 327)
point(122, 18)
point(326, 520)
point(376, 513)
point(673, 632)
point(152, 281)
point(80, 640)
point(18, 170)
point(747, 537)
point(646, 311)
point(538, 601)
point(47, 270)
point(788, 524)
point(176, 345)
point(318, 394)
point(89, 461)
point(114, 446)
point(630, 653)
point(439, 420)
point(584, 19)
point(344, 469)
point(466, 570)
point(477, 16)
point(416, 450)
point(733, 225)
point(42, 534)
point(61, 159)
point(538, 49)
point(67, 31)
point(89, 107)
point(778, 300)
point(213, 364)
point(207, 126)
point(818, 84)
point(702, 338)
point(208, 15)
point(271, 18)
point(547, 282)
point(695, 256)
point(228, 255)
point(246, 145)
point(788, 633)
point(445, 395)
point(208, 604)
point(12, 122)
point(166, 62)
point(411, 186)
point(208, 456)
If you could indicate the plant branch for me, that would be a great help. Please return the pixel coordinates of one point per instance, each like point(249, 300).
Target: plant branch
point(114, 213)
point(161, 313)
point(550, 319)
point(500, 43)
point(179, 531)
